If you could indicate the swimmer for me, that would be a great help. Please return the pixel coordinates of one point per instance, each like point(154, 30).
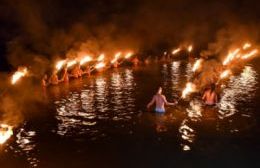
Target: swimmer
point(135, 61)
point(54, 79)
point(160, 100)
point(65, 76)
point(44, 80)
point(210, 96)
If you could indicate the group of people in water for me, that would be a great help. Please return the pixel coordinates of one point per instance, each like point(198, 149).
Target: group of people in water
point(209, 97)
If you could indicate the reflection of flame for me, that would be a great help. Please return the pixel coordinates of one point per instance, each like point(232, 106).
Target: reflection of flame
point(101, 57)
point(100, 65)
point(85, 60)
point(175, 51)
point(60, 64)
point(197, 65)
point(128, 55)
point(71, 63)
point(190, 48)
point(246, 46)
point(250, 54)
point(19, 74)
point(231, 56)
point(190, 87)
point(5, 133)
point(225, 74)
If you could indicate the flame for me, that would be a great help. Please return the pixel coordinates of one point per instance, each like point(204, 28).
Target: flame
point(19, 74)
point(116, 57)
point(197, 65)
point(231, 56)
point(128, 55)
point(225, 74)
point(71, 63)
point(246, 46)
point(250, 54)
point(85, 60)
point(100, 65)
point(190, 87)
point(101, 57)
point(5, 133)
point(175, 51)
point(190, 48)
point(60, 64)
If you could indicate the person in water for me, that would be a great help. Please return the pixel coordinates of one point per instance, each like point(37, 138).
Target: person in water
point(65, 76)
point(54, 80)
point(45, 80)
point(160, 100)
point(210, 96)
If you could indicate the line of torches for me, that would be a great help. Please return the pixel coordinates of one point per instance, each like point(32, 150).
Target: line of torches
point(243, 53)
point(239, 54)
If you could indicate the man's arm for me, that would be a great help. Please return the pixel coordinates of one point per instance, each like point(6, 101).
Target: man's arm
point(151, 102)
point(168, 103)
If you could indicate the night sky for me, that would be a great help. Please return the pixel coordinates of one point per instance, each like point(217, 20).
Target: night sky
point(39, 31)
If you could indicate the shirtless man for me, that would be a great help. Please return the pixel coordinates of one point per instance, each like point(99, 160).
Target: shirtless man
point(54, 79)
point(65, 76)
point(210, 96)
point(160, 100)
point(44, 81)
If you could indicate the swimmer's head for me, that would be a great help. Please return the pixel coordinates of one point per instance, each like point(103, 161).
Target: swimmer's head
point(159, 90)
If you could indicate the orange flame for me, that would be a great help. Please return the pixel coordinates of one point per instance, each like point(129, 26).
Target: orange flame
point(190, 87)
point(190, 48)
point(100, 65)
point(85, 60)
point(6, 132)
point(246, 46)
point(225, 74)
point(230, 57)
point(128, 55)
point(60, 64)
point(197, 65)
point(250, 54)
point(175, 51)
point(116, 57)
point(101, 57)
point(18, 75)
point(71, 63)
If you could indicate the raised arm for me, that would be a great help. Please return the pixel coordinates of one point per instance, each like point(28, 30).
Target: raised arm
point(151, 102)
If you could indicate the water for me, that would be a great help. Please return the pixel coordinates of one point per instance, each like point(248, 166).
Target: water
point(102, 122)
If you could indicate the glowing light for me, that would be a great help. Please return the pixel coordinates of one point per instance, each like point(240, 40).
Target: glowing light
point(197, 65)
point(71, 63)
point(190, 48)
point(100, 65)
point(128, 55)
point(230, 57)
point(101, 57)
point(250, 54)
point(175, 51)
point(225, 74)
point(60, 64)
point(246, 46)
point(5, 133)
point(85, 60)
point(190, 87)
point(18, 75)
point(116, 57)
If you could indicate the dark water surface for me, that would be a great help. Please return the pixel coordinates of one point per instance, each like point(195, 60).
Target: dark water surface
point(102, 122)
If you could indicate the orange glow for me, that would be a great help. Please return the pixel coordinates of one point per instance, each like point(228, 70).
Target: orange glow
point(101, 57)
point(190, 87)
point(85, 60)
point(246, 46)
point(100, 65)
point(197, 65)
point(250, 54)
point(116, 57)
point(128, 55)
point(230, 57)
point(175, 51)
point(225, 74)
point(5, 133)
point(60, 64)
point(18, 75)
point(190, 48)
point(71, 63)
